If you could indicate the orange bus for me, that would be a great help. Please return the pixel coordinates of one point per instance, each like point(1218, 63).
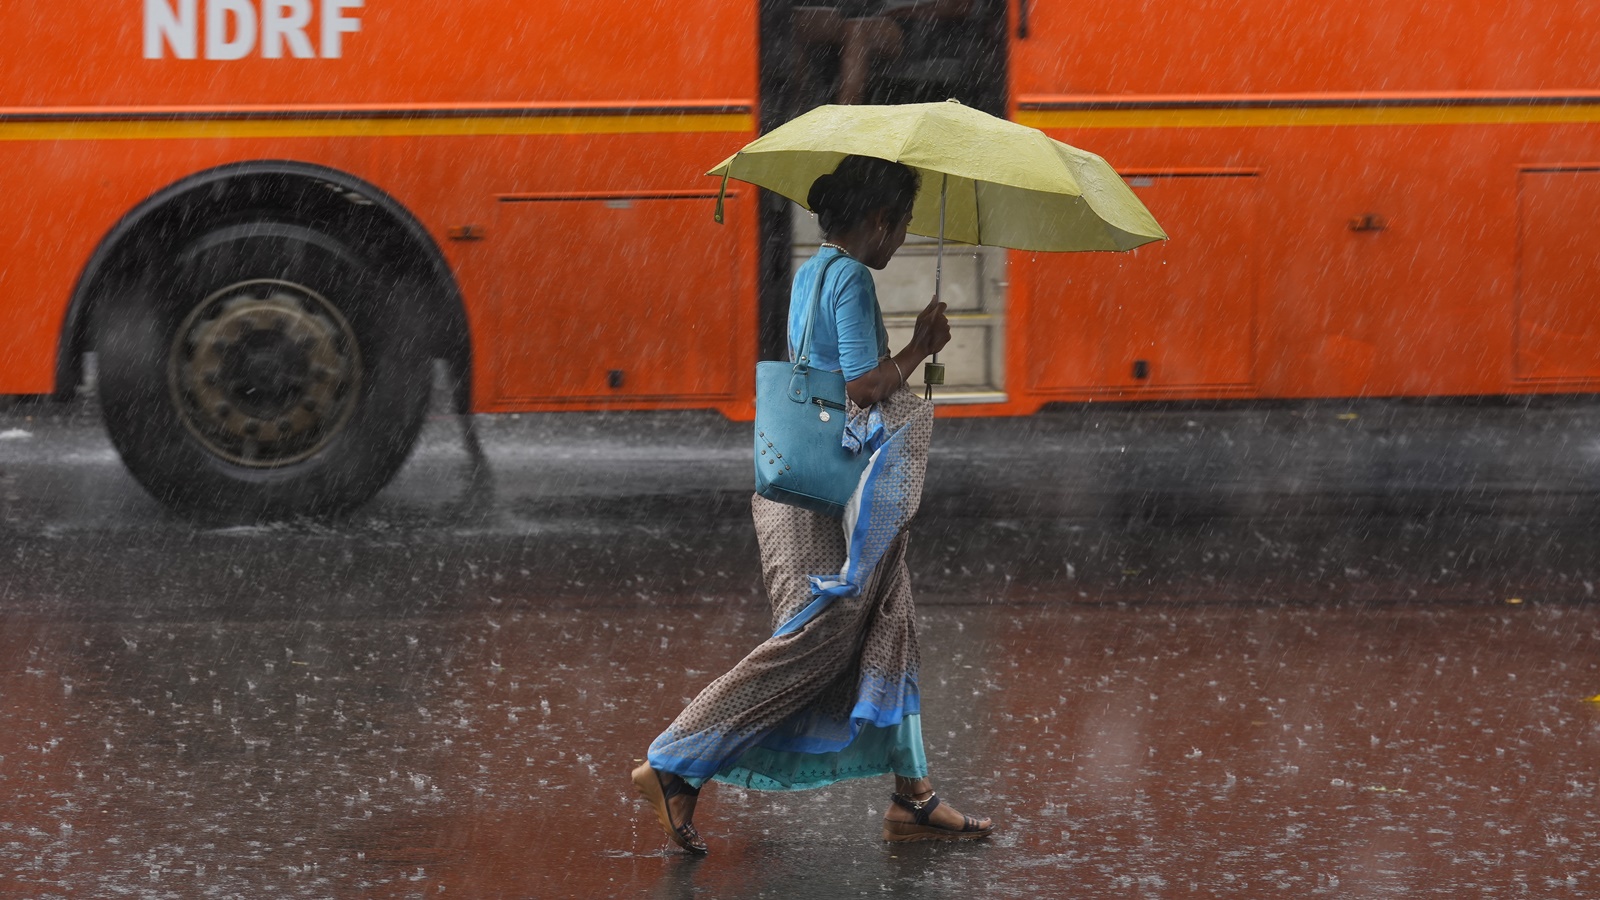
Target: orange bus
point(266, 219)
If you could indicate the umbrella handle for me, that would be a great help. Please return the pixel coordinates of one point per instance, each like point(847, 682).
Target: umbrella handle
point(932, 374)
point(933, 371)
point(938, 264)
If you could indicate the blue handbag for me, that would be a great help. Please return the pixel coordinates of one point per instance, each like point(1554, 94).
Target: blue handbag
point(799, 434)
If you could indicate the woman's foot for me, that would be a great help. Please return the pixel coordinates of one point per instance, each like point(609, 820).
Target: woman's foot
point(916, 813)
point(673, 801)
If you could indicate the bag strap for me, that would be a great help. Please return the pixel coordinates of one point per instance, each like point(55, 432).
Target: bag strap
point(803, 358)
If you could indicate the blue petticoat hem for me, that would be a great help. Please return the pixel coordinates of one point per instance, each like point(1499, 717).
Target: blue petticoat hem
point(700, 757)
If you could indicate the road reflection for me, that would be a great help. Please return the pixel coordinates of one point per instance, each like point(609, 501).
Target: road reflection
point(1212, 749)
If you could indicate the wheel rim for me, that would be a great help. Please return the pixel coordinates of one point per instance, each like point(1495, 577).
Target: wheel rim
point(265, 373)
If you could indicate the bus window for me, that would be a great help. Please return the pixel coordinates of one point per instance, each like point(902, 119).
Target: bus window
point(896, 51)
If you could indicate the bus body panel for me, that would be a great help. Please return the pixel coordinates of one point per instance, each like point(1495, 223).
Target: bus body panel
point(1412, 178)
point(85, 53)
point(1257, 47)
point(476, 128)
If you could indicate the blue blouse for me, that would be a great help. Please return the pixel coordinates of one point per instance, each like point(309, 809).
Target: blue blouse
point(849, 335)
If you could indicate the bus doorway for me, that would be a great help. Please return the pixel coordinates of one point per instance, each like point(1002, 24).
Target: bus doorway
point(890, 52)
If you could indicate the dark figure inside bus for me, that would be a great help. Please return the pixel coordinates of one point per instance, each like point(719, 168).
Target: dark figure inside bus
point(888, 52)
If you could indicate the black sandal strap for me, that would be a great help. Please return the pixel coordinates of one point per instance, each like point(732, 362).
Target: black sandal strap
point(920, 811)
point(676, 786)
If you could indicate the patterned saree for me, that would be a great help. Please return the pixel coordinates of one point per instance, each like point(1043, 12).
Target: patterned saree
point(832, 694)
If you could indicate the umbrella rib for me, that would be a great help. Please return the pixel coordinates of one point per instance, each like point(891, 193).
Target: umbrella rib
point(910, 138)
point(905, 140)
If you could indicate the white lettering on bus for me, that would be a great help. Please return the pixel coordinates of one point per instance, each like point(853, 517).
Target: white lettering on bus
point(335, 23)
point(233, 26)
point(175, 28)
point(243, 16)
point(284, 21)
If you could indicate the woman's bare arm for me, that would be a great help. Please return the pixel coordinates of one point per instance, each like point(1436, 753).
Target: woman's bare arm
point(932, 332)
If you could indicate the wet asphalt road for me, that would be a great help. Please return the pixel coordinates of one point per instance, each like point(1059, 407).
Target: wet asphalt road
point(1307, 650)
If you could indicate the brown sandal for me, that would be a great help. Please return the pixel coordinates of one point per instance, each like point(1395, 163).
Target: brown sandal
point(658, 791)
point(923, 830)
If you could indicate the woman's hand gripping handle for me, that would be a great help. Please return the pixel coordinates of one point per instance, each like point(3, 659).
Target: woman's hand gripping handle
point(930, 335)
point(932, 331)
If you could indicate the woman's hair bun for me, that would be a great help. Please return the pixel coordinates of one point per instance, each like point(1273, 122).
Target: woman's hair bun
point(858, 186)
point(823, 196)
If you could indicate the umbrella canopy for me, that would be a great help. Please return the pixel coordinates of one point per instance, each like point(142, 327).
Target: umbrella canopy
point(1003, 184)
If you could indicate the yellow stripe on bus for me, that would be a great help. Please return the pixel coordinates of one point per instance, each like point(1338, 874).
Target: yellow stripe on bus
point(1184, 117)
point(157, 129)
point(1228, 117)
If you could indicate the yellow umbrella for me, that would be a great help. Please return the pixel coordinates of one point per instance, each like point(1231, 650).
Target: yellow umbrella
point(999, 183)
point(984, 180)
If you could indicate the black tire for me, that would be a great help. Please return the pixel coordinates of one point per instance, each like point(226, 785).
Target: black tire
point(266, 370)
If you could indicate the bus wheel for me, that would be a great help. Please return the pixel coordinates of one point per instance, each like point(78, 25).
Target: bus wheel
point(267, 370)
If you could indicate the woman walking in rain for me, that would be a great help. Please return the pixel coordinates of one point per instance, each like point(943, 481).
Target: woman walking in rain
point(833, 693)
